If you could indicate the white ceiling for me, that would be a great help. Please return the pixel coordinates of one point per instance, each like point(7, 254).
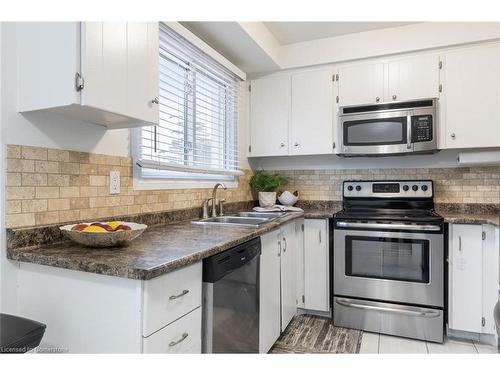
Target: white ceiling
point(230, 40)
point(293, 32)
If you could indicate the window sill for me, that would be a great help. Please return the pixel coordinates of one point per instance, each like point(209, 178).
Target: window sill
point(160, 184)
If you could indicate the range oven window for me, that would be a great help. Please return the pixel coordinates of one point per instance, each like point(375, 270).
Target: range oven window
point(388, 131)
point(387, 258)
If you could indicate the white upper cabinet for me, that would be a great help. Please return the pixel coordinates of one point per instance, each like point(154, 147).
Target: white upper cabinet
point(269, 115)
point(408, 78)
point(471, 97)
point(100, 72)
point(312, 119)
point(413, 78)
point(361, 84)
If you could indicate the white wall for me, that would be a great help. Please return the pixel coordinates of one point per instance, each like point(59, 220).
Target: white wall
point(8, 279)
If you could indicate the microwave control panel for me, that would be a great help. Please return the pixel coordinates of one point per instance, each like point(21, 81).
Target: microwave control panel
point(421, 128)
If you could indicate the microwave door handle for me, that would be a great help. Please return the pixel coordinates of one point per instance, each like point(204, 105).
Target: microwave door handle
point(408, 131)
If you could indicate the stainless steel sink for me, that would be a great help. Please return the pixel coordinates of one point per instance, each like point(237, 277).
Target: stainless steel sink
point(241, 219)
point(267, 215)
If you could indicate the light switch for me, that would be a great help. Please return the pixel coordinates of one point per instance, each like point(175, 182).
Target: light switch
point(114, 182)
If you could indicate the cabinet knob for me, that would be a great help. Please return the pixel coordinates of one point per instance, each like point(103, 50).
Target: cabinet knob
point(282, 144)
point(296, 144)
point(155, 101)
point(394, 97)
point(377, 99)
point(452, 135)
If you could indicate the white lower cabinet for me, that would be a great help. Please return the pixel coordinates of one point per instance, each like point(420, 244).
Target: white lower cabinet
point(316, 265)
point(269, 302)
point(91, 313)
point(170, 296)
point(181, 336)
point(288, 275)
point(278, 293)
point(299, 263)
point(473, 277)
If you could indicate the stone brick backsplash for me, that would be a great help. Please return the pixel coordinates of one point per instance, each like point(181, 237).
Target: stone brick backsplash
point(50, 186)
point(451, 185)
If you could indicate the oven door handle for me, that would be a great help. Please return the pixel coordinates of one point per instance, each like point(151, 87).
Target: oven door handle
point(345, 224)
point(409, 310)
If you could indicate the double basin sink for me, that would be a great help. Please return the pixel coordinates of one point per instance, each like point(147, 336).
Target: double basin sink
point(242, 219)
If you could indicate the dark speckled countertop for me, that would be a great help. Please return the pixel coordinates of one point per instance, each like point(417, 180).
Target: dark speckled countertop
point(463, 218)
point(165, 247)
point(161, 248)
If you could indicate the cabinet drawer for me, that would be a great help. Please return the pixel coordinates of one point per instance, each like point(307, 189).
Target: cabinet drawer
point(168, 297)
point(181, 336)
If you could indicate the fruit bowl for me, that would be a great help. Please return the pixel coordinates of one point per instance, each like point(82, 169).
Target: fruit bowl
point(98, 234)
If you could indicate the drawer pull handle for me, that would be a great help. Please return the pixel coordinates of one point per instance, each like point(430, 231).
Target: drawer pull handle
point(182, 294)
point(174, 343)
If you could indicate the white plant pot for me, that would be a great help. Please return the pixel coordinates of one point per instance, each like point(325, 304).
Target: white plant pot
point(267, 199)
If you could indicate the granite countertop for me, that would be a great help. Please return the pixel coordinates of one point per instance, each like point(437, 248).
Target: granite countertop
point(161, 248)
point(470, 218)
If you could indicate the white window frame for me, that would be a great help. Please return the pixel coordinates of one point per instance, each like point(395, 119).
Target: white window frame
point(144, 179)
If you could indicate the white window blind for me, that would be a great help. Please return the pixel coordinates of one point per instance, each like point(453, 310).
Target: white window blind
point(198, 128)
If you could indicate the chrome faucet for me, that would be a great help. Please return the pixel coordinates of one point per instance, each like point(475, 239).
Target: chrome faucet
point(214, 197)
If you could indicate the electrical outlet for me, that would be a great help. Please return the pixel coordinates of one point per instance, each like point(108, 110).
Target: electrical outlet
point(114, 182)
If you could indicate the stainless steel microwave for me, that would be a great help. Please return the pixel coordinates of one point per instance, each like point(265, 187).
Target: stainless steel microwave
point(388, 128)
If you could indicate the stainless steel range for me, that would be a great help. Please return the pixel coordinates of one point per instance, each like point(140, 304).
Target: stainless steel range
point(389, 260)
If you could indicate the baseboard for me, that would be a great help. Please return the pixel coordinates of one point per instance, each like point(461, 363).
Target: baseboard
point(477, 337)
point(324, 314)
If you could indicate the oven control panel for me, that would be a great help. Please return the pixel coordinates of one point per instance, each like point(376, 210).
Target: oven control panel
point(388, 189)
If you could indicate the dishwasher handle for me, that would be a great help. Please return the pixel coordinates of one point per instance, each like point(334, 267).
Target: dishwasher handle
point(222, 264)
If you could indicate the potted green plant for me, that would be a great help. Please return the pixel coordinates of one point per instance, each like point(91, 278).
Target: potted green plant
point(266, 184)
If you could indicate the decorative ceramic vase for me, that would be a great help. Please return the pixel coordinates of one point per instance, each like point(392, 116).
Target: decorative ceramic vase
point(267, 199)
point(288, 199)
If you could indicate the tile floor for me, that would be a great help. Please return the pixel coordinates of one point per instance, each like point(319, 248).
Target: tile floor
point(384, 344)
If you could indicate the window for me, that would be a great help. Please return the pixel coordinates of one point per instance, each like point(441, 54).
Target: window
point(197, 136)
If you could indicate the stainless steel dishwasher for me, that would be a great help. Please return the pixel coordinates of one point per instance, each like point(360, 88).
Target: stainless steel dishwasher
point(231, 300)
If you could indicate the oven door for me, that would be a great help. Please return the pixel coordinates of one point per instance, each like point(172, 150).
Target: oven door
point(376, 133)
point(401, 267)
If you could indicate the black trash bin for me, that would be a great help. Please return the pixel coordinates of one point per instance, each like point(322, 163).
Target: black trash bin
point(19, 335)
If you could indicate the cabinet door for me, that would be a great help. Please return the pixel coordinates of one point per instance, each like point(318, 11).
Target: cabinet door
point(142, 70)
point(413, 78)
point(361, 84)
point(465, 290)
point(104, 65)
point(299, 262)
point(288, 276)
point(269, 115)
point(120, 68)
point(312, 117)
point(182, 336)
point(316, 265)
point(491, 249)
point(471, 93)
point(269, 321)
